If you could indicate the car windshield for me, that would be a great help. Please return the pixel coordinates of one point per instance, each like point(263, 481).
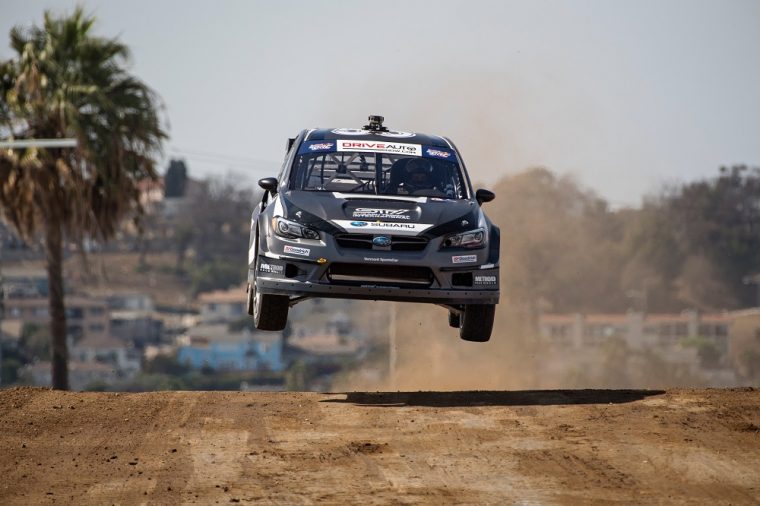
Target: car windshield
point(378, 168)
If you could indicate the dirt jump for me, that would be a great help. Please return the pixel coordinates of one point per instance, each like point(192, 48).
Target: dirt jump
point(566, 447)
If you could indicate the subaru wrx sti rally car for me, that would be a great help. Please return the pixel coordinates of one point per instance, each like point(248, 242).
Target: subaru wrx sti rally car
point(373, 214)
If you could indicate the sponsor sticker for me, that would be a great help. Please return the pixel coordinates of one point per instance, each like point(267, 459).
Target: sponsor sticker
point(437, 153)
point(464, 259)
point(294, 250)
point(370, 213)
point(271, 268)
point(397, 148)
point(322, 146)
point(384, 224)
point(384, 227)
point(381, 260)
point(358, 131)
point(485, 279)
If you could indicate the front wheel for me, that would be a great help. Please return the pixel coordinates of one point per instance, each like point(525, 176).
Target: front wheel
point(270, 312)
point(477, 322)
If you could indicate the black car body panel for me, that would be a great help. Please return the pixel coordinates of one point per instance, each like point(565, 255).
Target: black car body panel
point(364, 233)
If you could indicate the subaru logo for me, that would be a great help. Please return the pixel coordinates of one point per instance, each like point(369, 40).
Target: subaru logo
point(359, 223)
point(381, 241)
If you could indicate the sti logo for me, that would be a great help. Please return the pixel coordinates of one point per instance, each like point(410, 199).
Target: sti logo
point(370, 212)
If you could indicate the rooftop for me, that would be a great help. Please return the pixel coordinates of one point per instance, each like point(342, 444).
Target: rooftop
point(220, 333)
point(231, 296)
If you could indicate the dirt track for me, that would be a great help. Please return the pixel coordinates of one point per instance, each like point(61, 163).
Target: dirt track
point(459, 447)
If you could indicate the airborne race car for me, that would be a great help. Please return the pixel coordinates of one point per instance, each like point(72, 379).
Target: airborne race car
point(373, 214)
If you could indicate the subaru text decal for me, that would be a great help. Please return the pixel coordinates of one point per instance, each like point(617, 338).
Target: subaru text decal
point(384, 227)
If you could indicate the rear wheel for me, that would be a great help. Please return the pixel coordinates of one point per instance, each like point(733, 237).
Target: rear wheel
point(455, 319)
point(477, 322)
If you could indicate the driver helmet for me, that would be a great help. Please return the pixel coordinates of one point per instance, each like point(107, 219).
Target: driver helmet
point(419, 173)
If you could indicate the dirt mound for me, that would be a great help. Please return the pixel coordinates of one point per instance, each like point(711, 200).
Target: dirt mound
point(562, 446)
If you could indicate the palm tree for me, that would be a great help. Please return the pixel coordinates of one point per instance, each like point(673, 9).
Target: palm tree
point(66, 82)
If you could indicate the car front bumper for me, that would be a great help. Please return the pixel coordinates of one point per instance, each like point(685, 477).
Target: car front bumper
point(359, 279)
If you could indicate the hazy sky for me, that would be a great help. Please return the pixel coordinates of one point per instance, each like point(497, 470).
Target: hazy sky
point(624, 95)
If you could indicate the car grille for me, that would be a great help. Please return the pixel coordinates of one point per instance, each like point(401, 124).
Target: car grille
point(393, 275)
point(364, 241)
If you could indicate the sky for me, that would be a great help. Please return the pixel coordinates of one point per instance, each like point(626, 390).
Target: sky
point(626, 96)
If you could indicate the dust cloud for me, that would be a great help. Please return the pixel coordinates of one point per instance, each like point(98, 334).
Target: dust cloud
point(430, 355)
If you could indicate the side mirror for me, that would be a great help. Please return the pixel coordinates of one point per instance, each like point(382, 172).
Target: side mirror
point(269, 184)
point(482, 196)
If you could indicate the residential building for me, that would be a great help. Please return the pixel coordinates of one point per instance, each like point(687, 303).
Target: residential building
point(123, 358)
point(214, 346)
point(638, 330)
point(85, 317)
point(136, 327)
point(222, 305)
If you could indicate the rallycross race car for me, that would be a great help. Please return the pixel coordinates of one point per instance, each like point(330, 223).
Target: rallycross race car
point(373, 214)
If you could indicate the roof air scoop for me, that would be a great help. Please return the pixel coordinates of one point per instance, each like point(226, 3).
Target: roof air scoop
point(376, 124)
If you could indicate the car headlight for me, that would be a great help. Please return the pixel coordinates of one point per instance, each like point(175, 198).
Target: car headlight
point(292, 230)
point(470, 239)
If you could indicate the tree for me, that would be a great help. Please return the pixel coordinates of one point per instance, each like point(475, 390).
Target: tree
point(66, 82)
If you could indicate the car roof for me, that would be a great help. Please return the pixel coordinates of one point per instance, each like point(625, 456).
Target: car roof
point(330, 134)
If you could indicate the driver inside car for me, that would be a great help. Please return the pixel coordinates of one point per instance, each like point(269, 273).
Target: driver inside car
point(418, 175)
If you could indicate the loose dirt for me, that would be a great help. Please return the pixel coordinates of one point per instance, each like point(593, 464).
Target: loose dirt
point(679, 446)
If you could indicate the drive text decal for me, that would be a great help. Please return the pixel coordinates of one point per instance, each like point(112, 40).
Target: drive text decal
point(398, 148)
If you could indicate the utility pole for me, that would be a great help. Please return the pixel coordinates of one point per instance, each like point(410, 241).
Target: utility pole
point(392, 348)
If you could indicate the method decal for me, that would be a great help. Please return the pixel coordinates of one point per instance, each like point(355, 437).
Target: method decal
point(271, 268)
point(485, 279)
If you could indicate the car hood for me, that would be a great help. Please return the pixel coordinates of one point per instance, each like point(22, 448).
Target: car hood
point(361, 213)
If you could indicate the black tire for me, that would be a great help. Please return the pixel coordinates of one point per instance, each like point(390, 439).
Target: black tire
point(455, 320)
point(270, 312)
point(477, 322)
point(249, 300)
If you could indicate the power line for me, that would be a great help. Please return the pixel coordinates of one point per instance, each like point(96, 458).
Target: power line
point(218, 156)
